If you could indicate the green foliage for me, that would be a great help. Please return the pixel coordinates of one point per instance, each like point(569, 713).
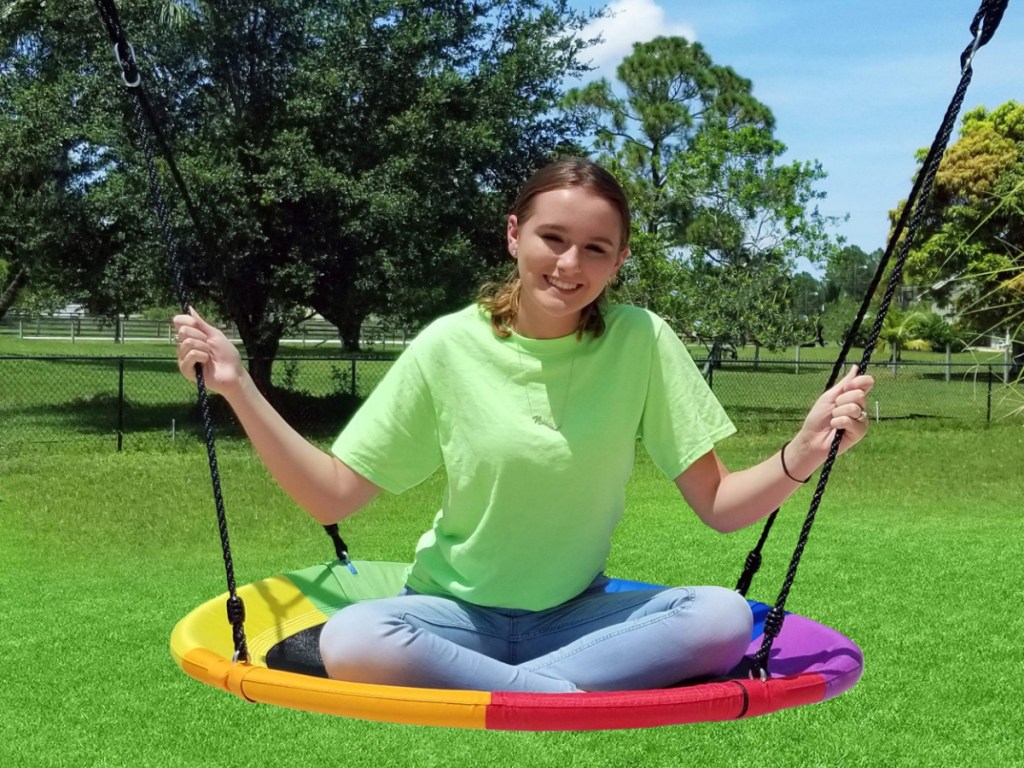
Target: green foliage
point(808, 295)
point(939, 332)
point(902, 330)
point(848, 273)
point(344, 155)
point(50, 108)
point(969, 252)
point(837, 321)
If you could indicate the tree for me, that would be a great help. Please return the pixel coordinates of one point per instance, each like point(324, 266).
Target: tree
point(66, 232)
point(696, 153)
point(45, 112)
point(808, 294)
point(352, 156)
point(970, 250)
point(848, 273)
point(902, 330)
point(359, 158)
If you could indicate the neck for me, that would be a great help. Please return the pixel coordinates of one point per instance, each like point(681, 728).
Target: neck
point(545, 328)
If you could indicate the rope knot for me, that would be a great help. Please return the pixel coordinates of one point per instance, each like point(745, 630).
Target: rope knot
point(236, 610)
point(773, 622)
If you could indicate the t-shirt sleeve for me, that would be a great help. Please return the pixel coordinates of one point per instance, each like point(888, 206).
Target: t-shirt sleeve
point(682, 418)
point(392, 440)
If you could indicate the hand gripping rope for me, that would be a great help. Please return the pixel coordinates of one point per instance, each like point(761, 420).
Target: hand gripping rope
point(984, 25)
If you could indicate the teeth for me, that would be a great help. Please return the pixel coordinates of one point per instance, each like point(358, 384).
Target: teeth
point(562, 286)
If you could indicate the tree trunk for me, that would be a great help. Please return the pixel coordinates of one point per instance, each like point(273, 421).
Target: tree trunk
point(349, 330)
point(10, 294)
point(261, 345)
point(261, 368)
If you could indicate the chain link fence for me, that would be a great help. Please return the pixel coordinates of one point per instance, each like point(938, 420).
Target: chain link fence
point(119, 402)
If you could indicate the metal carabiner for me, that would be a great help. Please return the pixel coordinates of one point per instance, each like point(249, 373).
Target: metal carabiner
point(131, 61)
point(974, 47)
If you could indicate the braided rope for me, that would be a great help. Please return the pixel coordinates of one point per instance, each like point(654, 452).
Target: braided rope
point(144, 120)
point(982, 31)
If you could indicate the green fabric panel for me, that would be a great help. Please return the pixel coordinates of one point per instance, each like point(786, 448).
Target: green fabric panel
point(331, 586)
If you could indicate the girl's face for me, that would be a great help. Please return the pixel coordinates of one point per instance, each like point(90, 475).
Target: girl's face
point(567, 249)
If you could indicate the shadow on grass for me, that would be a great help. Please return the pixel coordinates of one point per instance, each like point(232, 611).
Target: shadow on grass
point(316, 417)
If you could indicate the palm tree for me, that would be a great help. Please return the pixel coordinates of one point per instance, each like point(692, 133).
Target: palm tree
point(901, 330)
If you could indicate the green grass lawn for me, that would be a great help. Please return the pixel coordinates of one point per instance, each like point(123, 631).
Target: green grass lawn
point(916, 555)
point(70, 398)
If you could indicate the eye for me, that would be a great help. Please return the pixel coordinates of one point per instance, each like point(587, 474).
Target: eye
point(551, 238)
point(597, 249)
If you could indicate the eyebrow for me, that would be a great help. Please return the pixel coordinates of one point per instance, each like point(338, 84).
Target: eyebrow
point(560, 228)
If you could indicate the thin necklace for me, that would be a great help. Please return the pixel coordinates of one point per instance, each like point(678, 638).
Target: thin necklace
point(538, 418)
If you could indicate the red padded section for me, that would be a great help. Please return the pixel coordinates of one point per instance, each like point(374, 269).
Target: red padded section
point(620, 709)
point(643, 709)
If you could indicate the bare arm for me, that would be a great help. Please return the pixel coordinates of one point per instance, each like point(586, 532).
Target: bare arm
point(321, 484)
point(728, 501)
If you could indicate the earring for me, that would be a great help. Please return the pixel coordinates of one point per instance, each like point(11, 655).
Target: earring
point(514, 252)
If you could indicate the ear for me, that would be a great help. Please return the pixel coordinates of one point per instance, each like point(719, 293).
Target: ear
point(512, 234)
point(621, 258)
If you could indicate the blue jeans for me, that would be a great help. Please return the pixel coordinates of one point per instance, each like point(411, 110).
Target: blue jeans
point(597, 641)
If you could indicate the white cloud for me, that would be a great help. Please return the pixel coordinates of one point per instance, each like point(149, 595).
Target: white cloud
point(628, 22)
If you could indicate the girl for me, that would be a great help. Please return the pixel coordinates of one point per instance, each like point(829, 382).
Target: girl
point(533, 399)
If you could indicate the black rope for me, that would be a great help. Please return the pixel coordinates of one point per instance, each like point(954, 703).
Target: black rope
point(145, 123)
point(982, 28)
point(340, 548)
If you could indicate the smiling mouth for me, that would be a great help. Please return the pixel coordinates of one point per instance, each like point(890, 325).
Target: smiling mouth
point(562, 286)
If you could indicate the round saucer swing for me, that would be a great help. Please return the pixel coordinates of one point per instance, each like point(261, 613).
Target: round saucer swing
point(810, 663)
point(267, 650)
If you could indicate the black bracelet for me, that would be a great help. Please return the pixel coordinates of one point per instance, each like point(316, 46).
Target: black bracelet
point(782, 455)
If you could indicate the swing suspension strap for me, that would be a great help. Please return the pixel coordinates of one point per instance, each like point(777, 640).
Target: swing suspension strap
point(146, 124)
point(983, 26)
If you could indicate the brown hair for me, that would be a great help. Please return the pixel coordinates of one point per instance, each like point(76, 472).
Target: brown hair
point(501, 299)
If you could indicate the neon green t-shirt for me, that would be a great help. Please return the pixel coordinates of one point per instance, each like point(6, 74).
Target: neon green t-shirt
point(529, 510)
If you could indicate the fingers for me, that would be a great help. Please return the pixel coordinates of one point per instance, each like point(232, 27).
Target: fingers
point(192, 335)
point(850, 417)
point(849, 411)
point(192, 351)
point(853, 380)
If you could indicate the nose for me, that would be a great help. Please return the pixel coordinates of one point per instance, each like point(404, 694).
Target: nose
point(569, 259)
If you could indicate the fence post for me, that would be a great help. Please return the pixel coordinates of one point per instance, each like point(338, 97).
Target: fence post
point(353, 385)
point(797, 367)
point(949, 361)
point(72, 321)
point(988, 407)
point(21, 329)
point(120, 403)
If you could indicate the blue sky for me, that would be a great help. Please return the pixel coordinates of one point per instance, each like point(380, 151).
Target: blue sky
point(858, 85)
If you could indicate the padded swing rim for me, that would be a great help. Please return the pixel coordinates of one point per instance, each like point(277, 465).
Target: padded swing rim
point(279, 607)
